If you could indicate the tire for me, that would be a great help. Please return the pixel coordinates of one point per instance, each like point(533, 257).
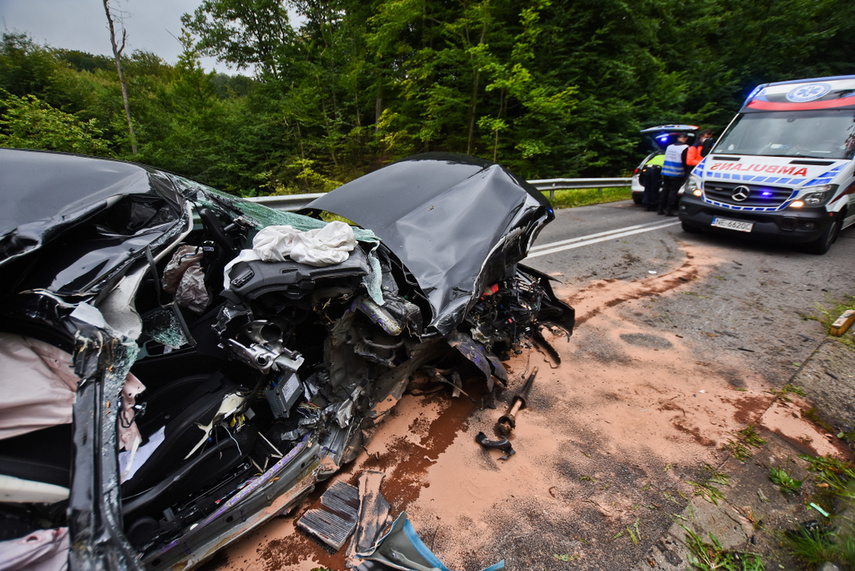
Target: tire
point(821, 245)
point(636, 197)
point(690, 227)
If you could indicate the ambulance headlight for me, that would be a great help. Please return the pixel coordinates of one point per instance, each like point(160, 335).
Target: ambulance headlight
point(693, 186)
point(818, 195)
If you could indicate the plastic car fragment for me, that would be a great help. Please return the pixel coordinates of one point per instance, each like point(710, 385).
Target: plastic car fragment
point(401, 548)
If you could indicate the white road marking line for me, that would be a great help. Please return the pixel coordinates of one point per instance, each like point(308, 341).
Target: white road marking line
point(553, 247)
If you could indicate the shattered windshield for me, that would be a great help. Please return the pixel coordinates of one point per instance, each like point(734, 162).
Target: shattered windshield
point(823, 134)
point(257, 215)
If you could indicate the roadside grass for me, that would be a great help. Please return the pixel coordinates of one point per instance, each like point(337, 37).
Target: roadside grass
point(833, 539)
point(709, 556)
point(745, 438)
point(788, 389)
point(781, 477)
point(584, 196)
point(707, 489)
point(815, 544)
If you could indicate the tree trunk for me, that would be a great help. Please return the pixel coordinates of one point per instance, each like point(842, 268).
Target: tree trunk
point(117, 54)
point(378, 109)
point(473, 106)
point(473, 103)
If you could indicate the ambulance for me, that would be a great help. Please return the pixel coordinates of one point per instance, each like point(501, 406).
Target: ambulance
point(783, 169)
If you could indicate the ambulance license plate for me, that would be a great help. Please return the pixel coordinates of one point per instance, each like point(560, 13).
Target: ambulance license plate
point(732, 224)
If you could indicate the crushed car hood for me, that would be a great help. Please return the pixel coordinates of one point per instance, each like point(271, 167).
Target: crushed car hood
point(47, 195)
point(456, 222)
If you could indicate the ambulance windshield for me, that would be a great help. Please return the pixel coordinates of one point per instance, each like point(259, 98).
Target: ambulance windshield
point(823, 134)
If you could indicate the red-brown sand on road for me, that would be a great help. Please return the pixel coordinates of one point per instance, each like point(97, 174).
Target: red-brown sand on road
point(625, 395)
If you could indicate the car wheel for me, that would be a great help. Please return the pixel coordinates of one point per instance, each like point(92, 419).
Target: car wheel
point(691, 227)
point(636, 197)
point(824, 242)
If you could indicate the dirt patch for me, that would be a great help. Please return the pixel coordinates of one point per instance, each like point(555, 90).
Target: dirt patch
point(605, 450)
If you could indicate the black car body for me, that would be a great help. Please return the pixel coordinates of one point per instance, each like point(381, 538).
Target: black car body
point(261, 377)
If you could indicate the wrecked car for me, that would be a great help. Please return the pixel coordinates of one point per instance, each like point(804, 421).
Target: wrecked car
point(180, 365)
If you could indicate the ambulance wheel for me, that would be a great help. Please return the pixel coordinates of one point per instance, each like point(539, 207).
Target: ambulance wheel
point(821, 245)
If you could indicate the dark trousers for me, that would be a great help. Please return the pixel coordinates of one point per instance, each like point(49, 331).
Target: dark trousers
point(669, 197)
point(651, 178)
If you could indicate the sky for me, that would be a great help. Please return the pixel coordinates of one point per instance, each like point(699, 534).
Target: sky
point(152, 25)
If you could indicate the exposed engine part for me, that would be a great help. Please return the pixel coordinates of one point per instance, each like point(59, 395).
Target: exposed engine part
point(258, 343)
point(268, 332)
point(508, 421)
point(283, 394)
point(346, 409)
point(506, 312)
point(263, 358)
point(541, 342)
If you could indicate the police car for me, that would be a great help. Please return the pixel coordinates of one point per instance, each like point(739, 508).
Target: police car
point(659, 138)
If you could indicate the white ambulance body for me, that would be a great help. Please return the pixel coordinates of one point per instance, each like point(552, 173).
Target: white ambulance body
point(783, 169)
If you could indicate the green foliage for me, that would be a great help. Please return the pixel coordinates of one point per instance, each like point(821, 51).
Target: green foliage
point(738, 449)
point(788, 389)
point(712, 556)
point(28, 123)
point(782, 478)
point(585, 196)
point(815, 544)
point(707, 489)
point(837, 476)
point(545, 87)
point(747, 437)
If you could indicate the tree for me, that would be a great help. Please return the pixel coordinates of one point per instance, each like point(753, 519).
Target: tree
point(247, 35)
point(117, 55)
point(28, 123)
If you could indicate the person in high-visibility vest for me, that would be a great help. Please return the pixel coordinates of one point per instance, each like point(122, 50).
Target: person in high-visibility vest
point(674, 172)
point(700, 149)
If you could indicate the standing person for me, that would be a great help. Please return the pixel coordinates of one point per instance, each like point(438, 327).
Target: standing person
point(651, 179)
point(708, 143)
point(674, 173)
point(700, 149)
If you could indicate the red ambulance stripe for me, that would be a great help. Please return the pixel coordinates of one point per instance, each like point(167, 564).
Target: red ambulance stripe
point(829, 104)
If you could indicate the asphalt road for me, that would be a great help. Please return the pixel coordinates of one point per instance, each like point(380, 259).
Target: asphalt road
point(759, 299)
point(756, 307)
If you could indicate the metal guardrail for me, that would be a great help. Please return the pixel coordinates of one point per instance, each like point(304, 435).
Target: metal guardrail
point(292, 202)
point(553, 184)
point(289, 202)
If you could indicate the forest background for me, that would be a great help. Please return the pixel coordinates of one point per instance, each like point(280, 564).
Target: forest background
point(548, 88)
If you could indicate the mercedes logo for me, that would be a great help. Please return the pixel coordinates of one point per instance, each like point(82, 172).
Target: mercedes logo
point(740, 193)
